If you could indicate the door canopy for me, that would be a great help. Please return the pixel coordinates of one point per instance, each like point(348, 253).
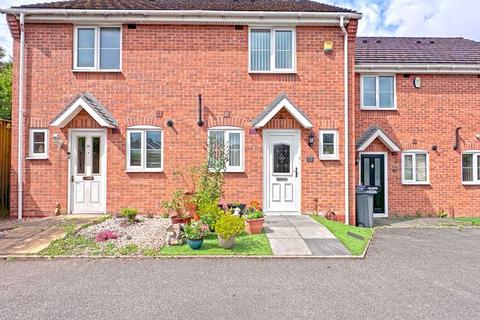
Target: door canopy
point(87, 102)
point(278, 104)
point(372, 133)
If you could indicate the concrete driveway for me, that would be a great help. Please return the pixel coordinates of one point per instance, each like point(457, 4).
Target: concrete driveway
point(408, 274)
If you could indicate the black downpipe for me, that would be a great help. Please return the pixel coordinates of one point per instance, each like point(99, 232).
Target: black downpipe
point(457, 138)
point(200, 120)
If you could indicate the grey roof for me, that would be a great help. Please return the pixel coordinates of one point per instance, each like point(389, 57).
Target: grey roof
point(369, 133)
point(214, 5)
point(95, 105)
point(416, 50)
point(272, 105)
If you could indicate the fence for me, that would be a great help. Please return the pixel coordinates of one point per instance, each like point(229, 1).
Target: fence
point(5, 150)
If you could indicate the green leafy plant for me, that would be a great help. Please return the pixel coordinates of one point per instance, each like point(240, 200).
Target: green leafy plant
point(229, 226)
point(210, 213)
point(253, 214)
point(442, 213)
point(175, 206)
point(130, 214)
point(196, 230)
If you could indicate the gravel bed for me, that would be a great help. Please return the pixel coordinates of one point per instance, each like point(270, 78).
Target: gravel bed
point(146, 233)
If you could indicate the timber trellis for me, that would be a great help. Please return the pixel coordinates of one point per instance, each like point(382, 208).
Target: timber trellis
point(5, 153)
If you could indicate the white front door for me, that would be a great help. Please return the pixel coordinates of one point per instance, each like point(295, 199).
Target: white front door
point(281, 169)
point(88, 171)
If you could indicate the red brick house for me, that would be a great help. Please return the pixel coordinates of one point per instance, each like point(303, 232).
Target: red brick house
point(111, 97)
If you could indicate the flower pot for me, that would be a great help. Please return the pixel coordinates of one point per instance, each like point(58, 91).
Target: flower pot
point(226, 243)
point(254, 226)
point(195, 244)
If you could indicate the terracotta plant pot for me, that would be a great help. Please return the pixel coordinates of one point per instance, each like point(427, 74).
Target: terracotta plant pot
point(226, 243)
point(254, 226)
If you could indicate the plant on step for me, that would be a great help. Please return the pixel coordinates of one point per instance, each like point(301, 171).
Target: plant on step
point(227, 228)
point(130, 214)
point(209, 213)
point(106, 235)
point(441, 213)
point(254, 221)
point(195, 232)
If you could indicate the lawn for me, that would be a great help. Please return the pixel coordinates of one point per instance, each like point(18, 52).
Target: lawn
point(468, 221)
point(249, 245)
point(340, 230)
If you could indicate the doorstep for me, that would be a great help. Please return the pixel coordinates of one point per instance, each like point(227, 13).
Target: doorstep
point(301, 236)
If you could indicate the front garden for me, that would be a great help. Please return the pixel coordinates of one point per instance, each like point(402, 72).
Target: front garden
point(196, 221)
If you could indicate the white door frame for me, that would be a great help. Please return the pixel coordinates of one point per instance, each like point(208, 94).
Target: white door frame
point(70, 165)
point(298, 133)
point(385, 170)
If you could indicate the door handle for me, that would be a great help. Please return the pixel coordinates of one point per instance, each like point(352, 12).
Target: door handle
point(71, 178)
point(296, 172)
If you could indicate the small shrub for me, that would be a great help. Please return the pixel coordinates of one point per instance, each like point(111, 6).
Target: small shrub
point(210, 213)
point(229, 226)
point(253, 214)
point(441, 213)
point(106, 235)
point(196, 230)
point(130, 214)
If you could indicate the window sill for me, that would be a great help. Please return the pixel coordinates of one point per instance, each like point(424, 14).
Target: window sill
point(472, 183)
point(329, 158)
point(96, 71)
point(416, 183)
point(143, 171)
point(273, 72)
point(36, 158)
point(378, 109)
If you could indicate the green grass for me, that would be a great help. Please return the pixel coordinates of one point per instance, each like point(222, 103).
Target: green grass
point(253, 245)
point(468, 221)
point(355, 246)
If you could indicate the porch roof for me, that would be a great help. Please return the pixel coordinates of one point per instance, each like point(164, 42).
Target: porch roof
point(278, 104)
point(91, 105)
point(373, 132)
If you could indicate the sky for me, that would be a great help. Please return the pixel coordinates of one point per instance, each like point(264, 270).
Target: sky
point(437, 18)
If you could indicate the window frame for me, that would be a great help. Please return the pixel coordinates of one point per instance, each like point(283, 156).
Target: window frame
point(414, 154)
point(377, 93)
point(31, 153)
point(272, 49)
point(96, 67)
point(143, 149)
point(335, 155)
point(227, 130)
point(475, 163)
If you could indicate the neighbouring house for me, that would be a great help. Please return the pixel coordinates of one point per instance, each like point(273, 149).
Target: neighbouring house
point(111, 97)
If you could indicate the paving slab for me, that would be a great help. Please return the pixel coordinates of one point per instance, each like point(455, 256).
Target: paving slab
point(289, 247)
point(276, 221)
point(315, 233)
point(326, 247)
point(302, 221)
point(282, 233)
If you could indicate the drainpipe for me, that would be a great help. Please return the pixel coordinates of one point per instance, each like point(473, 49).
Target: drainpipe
point(345, 120)
point(20, 116)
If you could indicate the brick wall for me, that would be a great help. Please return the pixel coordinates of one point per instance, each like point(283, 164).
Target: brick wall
point(164, 69)
point(425, 117)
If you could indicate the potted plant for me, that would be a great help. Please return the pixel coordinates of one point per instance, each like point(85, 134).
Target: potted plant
point(254, 221)
point(175, 208)
point(195, 233)
point(227, 228)
point(209, 214)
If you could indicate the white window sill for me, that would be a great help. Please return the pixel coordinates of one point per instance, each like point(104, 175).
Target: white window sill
point(143, 170)
point(229, 171)
point(97, 70)
point(378, 109)
point(471, 183)
point(36, 158)
point(412, 183)
point(329, 158)
point(273, 72)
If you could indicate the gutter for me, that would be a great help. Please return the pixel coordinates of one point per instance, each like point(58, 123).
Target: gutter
point(418, 68)
point(20, 116)
point(345, 119)
point(180, 16)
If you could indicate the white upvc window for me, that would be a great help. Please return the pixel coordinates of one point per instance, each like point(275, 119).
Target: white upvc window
point(271, 50)
point(378, 92)
point(328, 145)
point(415, 167)
point(97, 48)
point(229, 141)
point(144, 149)
point(471, 167)
point(38, 144)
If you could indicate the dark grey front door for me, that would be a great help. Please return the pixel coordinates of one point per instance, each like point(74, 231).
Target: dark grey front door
point(373, 175)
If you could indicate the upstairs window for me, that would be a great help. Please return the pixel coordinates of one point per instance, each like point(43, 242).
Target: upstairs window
point(226, 145)
point(97, 48)
point(144, 149)
point(415, 167)
point(38, 144)
point(272, 50)
point(471, 167)
point(378, 92)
